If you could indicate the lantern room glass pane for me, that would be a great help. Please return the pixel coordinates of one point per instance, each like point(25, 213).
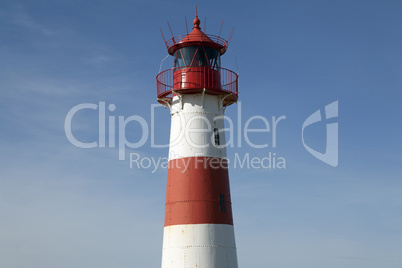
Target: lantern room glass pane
point(214, 57)
point(188, 54)
point(200, 58)
point(178, 59)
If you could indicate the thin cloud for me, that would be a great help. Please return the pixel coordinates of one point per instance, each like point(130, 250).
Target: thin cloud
point(18, 16)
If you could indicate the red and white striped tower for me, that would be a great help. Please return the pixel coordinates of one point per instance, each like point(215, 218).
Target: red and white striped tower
point(198, 228)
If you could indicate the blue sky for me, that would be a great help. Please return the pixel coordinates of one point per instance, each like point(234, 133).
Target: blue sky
point(62, 206)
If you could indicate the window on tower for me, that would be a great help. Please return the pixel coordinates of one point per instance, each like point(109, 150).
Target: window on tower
point(222, 203)
point(216, 137)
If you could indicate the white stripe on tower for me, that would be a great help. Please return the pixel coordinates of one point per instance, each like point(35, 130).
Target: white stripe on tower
point(198, 228)
point(187, 136)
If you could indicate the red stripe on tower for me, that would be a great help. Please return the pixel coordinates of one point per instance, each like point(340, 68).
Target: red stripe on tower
point(198, 193)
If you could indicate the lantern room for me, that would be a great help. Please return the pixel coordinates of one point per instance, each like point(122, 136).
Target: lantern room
point(196, 56)
point(197, 67)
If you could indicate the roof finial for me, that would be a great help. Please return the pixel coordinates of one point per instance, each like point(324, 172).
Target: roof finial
point(196, 21)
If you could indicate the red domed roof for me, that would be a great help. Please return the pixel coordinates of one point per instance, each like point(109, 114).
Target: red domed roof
point(196, 35)
point(196, 38)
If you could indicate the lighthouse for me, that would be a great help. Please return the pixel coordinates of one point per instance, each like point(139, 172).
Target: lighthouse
point(198, 227)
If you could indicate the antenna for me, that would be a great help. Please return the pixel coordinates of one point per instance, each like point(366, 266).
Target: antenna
point(163, 37)
point(171, 32)
point(220, 30)
point(170, 28)
point(230, 36)
point(196, 11)
point(205, 24)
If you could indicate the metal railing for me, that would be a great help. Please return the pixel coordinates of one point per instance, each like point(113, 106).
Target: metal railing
point(177, 39)
point(204, 77)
